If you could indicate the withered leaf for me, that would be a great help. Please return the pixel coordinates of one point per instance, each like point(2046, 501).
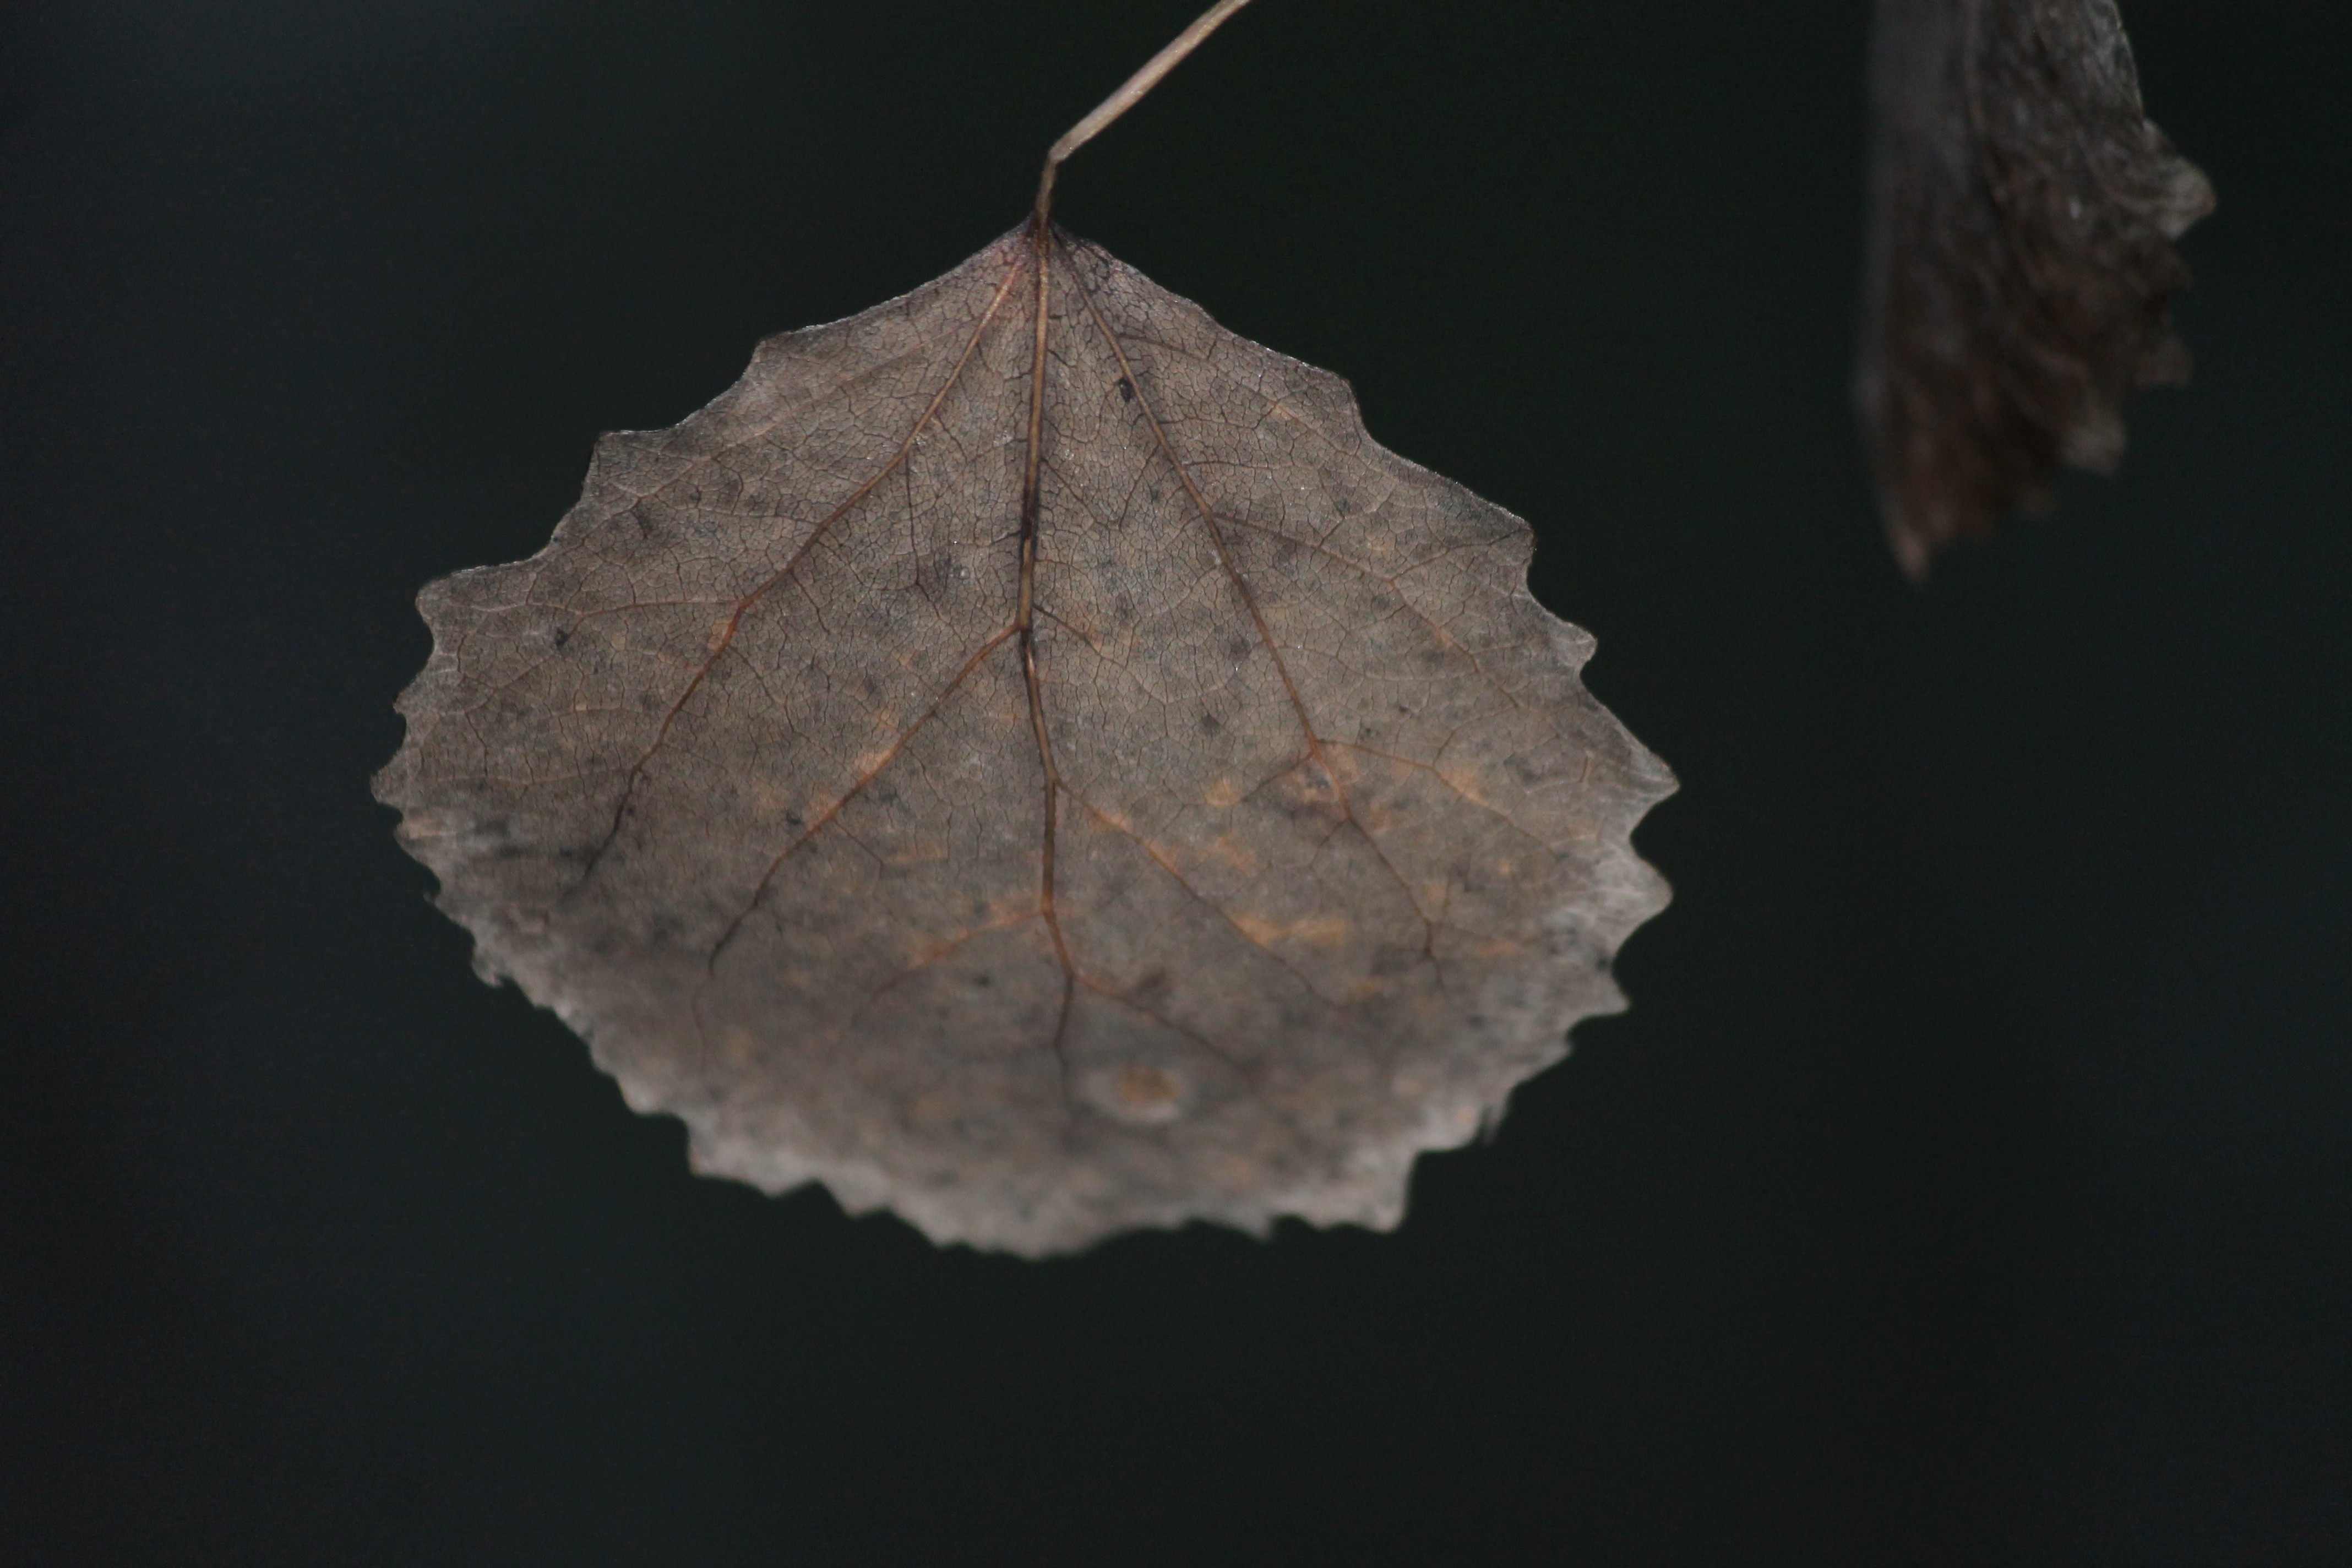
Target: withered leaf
point(1025, 757)
point(2020, 258)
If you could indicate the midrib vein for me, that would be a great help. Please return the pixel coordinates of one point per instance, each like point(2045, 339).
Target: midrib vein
point(1026, 627)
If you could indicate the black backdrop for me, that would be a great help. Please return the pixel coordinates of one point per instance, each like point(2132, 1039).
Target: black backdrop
point(1968, 1184)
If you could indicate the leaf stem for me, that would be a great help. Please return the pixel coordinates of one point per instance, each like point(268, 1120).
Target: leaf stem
point(1119, 102)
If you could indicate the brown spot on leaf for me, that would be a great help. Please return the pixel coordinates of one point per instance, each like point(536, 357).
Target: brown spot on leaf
point(1325, 930)
point(1146, 1094)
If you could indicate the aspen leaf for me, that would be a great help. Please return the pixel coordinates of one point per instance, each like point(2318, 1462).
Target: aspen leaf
point(2020, 261)
point(1026, 758)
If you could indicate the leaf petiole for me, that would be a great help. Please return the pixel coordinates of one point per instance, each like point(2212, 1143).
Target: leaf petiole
point(1134, 87)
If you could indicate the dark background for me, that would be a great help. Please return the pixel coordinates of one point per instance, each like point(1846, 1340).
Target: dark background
point(1970, 1183)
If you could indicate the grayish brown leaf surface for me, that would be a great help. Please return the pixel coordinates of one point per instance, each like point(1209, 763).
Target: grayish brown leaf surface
point(2021, 260)
point(1195, 818)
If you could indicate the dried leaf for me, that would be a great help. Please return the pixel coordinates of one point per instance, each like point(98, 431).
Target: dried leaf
point(1026, 758)
point(2020, 264)
point(1258, 838)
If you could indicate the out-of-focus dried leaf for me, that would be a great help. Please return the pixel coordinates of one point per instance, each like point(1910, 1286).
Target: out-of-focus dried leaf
point(1025, 757)
point(2020, 257)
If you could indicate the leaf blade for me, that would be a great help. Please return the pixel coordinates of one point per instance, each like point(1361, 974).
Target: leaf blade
point(1275, 847)
point(2020, 258)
